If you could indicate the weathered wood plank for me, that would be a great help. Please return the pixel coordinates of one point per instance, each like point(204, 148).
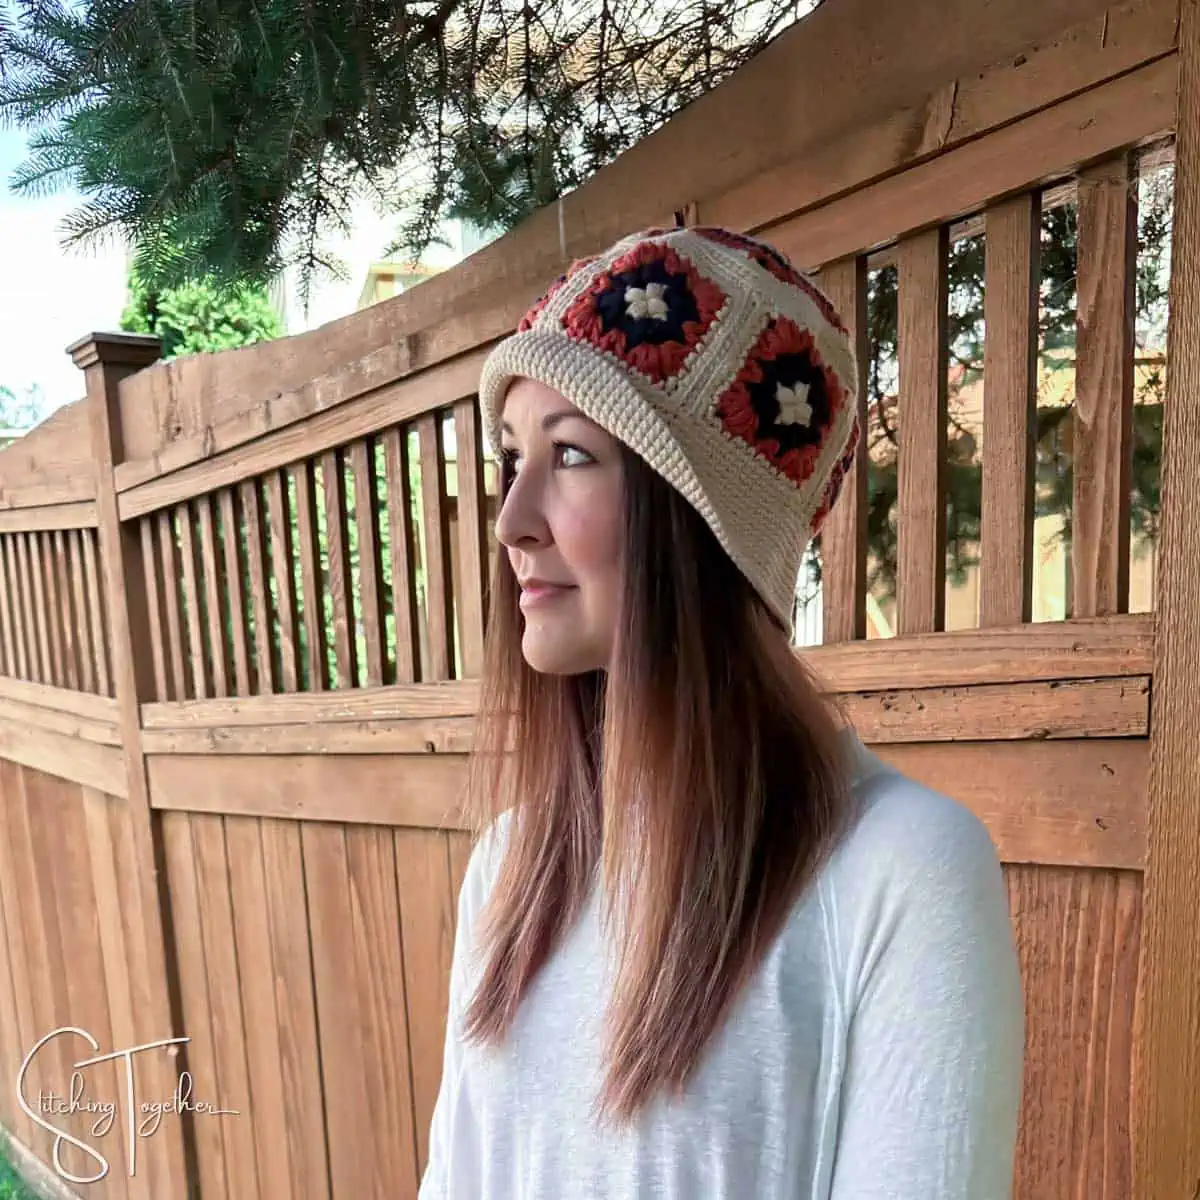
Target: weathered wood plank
point(83, 627)
point(79, 515)
point(1074, 803)
point(1125, 112)
point(341, 587)
point(921, 521)
point(370, 569)
point(427, 922)
point(284, 575)
point(314, 787)
point(254, 531)
point(473, 582)
point(201, 673)
point(1068, 801)
point(235, 589)
point(1080, 649)
point(219, 656)
point(168, 550)
point(1167, 1099)
point(198, 1014)
point(1077, 934)
point(402, 548)
point(361, 398)
point(1085, 708)
point(316, 662)
point(97, 607)
point(1011, 299)
point(1103, 439)
point(295, 1009)
point(439, 598)
point(844, 535)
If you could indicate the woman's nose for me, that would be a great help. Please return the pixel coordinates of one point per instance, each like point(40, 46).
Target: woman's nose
point(521, 519)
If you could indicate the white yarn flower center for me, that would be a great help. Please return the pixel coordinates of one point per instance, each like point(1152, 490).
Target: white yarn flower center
point(794, 408)
point(641, 303)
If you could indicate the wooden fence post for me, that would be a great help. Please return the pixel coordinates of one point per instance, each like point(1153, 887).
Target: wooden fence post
point(105, 360)
point(1167, 1088)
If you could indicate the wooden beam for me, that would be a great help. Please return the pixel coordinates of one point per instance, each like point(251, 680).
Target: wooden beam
point(351, 402)
point(922, 350)
point(1056, 708)
point(83, 760)
point(1088, 708)
point(1059, 650)
point(1125, 112)
point(78, 515)
point(89, 707)
point(403, 735)
point(1103, 435)
point(1011, 298)
point(1079, 804)
point(1167, 1099)
point(844, 534)
point(422, 789)
point(450, 698)
point(1077, 59)
point(105, 360)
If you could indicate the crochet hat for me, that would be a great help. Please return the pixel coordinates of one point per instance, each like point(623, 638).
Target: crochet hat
point(722, 366)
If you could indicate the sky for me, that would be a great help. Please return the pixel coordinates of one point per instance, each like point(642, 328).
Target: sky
point(49, 296)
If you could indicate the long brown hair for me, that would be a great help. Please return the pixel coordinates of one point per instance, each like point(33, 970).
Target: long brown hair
point(699, 774)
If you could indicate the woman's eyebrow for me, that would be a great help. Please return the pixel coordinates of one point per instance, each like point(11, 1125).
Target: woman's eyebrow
point(551, 419)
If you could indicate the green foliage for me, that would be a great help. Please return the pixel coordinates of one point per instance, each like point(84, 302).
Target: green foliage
point(12, 1186)
point(201, 316)
point(233, 136)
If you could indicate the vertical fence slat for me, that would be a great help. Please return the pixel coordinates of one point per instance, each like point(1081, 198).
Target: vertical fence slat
point(315, 647)
point(1011, 282)
point(87, 649)
point(213, 608)
point(6, 611)
point(844, 534)
point(435, 520)
point(472, 535)
point(279, 524)
point(235, 589)
point(400, 546)
point(180, 857)
point(35, 602)
point(333, 481)
point(169, 556)
point(1103, 435)
point(201, 675)
point(62, 574)
point(154, 602)
point(52, 614)
point(20, 620)
point(370, 582)
point(1166, 1103)
point(921, 538)
point(256, 534)
point(96, 611)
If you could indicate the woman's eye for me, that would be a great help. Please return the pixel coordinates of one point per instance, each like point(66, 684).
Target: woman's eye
point(572, 456)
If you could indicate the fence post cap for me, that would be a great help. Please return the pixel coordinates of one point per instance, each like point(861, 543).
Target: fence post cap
point(133, 350)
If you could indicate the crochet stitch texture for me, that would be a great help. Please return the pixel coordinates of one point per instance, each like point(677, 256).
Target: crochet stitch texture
point(719, 363)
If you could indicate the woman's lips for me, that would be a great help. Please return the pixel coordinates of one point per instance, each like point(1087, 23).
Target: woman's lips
point(539, 594)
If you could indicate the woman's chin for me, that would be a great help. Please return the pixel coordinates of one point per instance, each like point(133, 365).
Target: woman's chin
point(550, 654)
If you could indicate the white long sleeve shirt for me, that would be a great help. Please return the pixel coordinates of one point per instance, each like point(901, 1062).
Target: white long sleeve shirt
point(876, 1053)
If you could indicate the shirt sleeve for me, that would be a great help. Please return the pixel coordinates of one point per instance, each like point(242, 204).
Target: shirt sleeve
point(935, 1010)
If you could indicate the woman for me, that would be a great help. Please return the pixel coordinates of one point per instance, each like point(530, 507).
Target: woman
point(708, 945)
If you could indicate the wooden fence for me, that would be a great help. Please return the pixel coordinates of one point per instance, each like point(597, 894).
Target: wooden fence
point(235, 713)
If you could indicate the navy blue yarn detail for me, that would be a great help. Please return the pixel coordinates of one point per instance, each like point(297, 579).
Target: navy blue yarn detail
point(681, 306)
point(789, 370)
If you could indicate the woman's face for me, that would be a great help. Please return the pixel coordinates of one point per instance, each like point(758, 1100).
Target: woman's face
point(560, 523)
